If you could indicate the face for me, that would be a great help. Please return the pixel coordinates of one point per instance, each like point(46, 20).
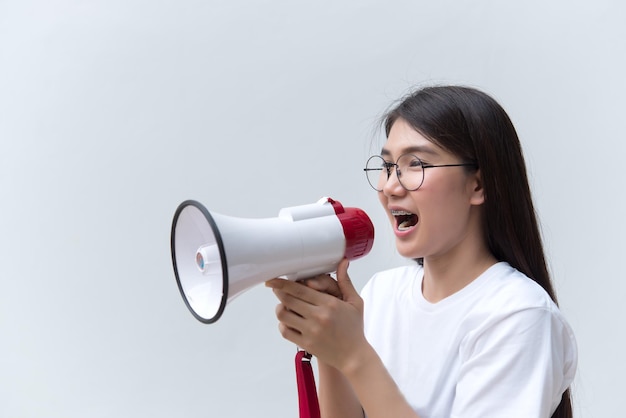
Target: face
point(441, 217)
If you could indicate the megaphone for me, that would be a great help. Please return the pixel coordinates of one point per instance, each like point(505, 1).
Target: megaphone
point(217, 257)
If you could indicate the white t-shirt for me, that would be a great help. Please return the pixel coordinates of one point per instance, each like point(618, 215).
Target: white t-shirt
point(497, 348)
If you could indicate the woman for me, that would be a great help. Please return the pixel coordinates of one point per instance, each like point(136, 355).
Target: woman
point(472, 329)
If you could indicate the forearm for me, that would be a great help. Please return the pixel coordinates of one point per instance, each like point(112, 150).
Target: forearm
point(372, 384)
point(353, 378)
point(336, 397)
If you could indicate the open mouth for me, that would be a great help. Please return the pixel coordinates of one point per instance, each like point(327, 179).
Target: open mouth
point(404, 220)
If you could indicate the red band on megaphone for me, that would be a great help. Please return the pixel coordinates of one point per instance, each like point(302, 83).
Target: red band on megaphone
point(357, 229)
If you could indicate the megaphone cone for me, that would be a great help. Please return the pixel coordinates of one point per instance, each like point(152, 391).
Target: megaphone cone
point(217, 257)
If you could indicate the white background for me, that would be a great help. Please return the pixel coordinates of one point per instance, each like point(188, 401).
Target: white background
point(112, 112)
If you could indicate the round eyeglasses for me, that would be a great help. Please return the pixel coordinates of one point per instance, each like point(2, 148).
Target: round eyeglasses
point(409, 169)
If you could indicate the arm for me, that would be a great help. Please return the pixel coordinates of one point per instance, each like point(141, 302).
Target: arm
point(336, 397)
point(332, 330)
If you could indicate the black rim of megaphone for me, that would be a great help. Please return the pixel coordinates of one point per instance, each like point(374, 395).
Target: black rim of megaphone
point(220, 244)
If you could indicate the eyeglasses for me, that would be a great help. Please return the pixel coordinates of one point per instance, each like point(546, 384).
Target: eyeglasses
point(409, 169)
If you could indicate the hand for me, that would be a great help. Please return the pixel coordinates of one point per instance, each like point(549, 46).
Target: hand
point(324, 283)
point(325, 326)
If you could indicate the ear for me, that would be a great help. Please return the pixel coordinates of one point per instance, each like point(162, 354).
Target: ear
point(475, 188)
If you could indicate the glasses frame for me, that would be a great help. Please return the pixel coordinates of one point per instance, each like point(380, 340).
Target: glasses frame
point(388, 166)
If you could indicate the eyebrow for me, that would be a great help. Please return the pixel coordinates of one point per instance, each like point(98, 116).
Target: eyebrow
point(420, 149)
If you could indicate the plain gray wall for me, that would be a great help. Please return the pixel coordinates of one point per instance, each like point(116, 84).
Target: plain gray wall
point(113, 112)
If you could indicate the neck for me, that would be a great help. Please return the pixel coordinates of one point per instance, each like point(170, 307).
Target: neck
point(447, 274)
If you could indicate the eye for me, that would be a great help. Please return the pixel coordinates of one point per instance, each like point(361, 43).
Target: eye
point(411, 162)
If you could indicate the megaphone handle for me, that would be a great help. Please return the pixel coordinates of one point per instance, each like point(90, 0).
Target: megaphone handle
point(307, 394)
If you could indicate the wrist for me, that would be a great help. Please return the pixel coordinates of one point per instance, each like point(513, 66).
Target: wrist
point(359, 360)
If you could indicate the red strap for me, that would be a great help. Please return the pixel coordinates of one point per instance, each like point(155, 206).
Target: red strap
point(307, 394)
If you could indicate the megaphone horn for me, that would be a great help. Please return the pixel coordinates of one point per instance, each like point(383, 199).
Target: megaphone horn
point(217, 257)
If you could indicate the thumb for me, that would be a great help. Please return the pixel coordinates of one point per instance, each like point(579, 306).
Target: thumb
point(345, 284)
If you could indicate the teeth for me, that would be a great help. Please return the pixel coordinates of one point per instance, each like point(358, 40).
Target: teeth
point(400, 213)
point(404, 226)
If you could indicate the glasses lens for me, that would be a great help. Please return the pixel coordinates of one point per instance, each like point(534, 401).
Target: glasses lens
point(376, 172)
point(411, 172)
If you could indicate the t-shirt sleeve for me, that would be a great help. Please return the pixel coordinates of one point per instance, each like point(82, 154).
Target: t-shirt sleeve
point(515, 365)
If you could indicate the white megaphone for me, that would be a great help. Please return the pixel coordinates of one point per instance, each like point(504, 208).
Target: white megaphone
point(218, 257)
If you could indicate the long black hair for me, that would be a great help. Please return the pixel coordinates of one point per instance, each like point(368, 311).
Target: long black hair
point(474, 127)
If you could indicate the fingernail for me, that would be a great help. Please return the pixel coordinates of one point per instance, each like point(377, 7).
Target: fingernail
point(274, 283)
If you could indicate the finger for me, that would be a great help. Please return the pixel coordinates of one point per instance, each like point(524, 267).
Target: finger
point(297, 290)
point(325, 284)
point(289, 318)
point(294, 304)
point(344, 282)
point(272, 283)
point(290, 334)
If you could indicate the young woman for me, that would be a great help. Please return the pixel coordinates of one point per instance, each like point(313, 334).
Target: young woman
point(472, 329)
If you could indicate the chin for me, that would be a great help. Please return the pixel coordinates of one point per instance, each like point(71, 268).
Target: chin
point(406, 250)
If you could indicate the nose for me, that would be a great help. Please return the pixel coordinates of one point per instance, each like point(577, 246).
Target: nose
point(392, 186)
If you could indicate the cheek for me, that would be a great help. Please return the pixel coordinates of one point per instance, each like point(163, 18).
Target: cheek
point(443, 219)
point(382, 199)
point(444, 208)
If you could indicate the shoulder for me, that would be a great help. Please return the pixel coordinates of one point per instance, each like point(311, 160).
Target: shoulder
point(525, 348)
point(510, 303)
point(508, 297)
point(505, 289)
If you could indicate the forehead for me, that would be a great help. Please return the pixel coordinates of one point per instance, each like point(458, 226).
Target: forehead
point(404, 139)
